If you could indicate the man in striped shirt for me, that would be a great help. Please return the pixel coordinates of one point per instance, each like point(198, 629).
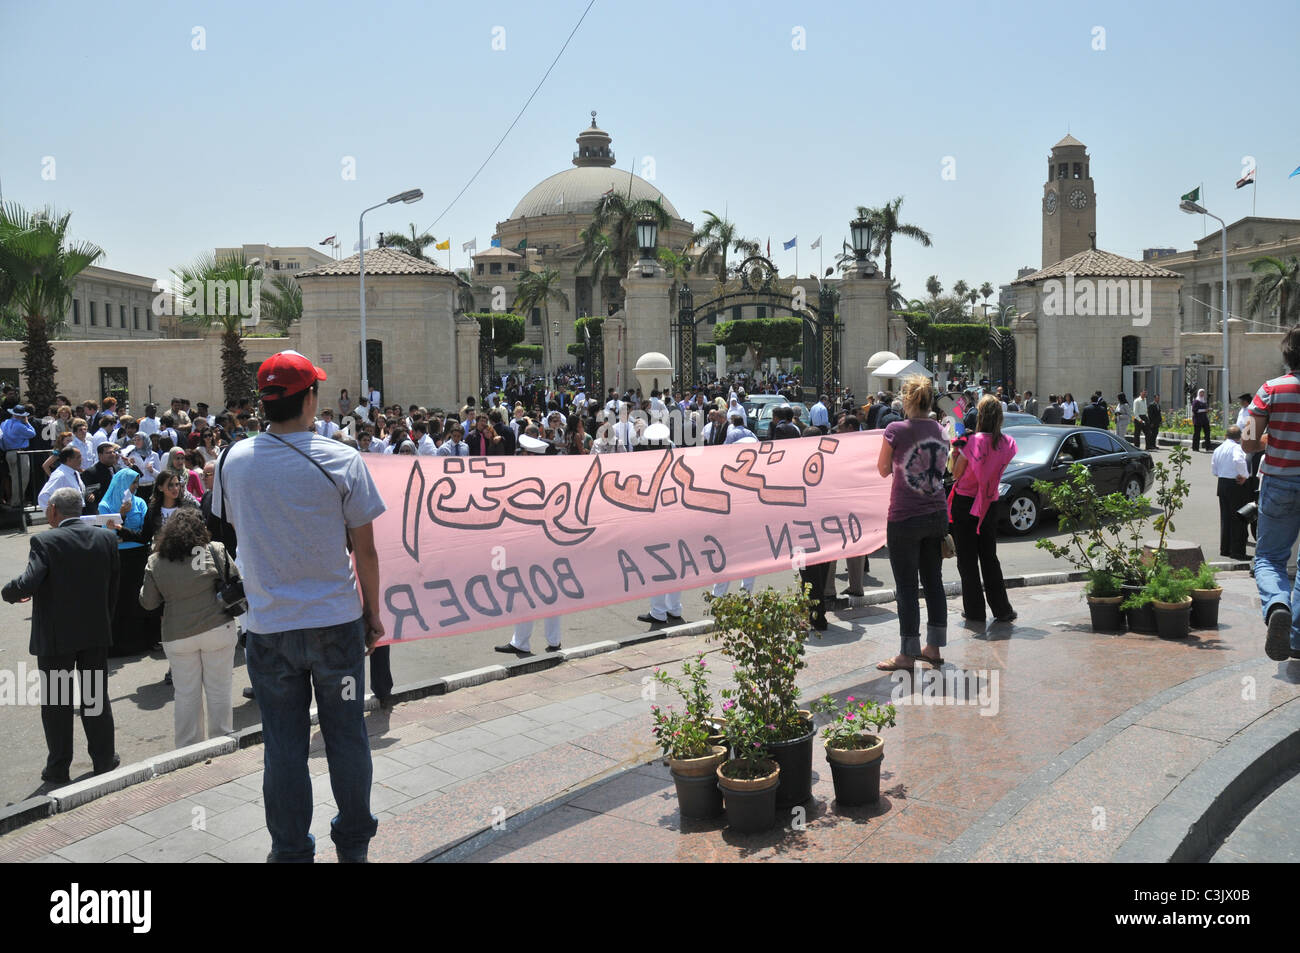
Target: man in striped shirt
point(1276, 408)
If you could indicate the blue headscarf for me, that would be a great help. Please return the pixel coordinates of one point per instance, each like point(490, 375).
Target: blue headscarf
point(118, 490)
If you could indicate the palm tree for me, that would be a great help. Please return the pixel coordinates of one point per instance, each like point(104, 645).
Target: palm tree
point(413, 246)
point(235, 277)
point(538, 289)
point(986, 292)
point(959, 290)
point(885, 225)
point(610, 238)
point(933, 288)
point(896, 300)
point(37, 275)
point(282, 304)
point(1276, 291)
point(597, 259)
point(678, 265)
point(716, 237)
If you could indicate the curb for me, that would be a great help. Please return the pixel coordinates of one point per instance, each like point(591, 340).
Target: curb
point(1201, 810)
point(82, 792)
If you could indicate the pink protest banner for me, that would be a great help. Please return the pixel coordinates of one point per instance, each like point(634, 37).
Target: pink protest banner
point(472, 543)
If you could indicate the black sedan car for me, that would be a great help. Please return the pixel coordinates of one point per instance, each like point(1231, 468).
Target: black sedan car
point(1045, 452)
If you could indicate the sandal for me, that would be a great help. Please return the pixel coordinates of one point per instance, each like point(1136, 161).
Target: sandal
point(936, 662)
point(890, 666)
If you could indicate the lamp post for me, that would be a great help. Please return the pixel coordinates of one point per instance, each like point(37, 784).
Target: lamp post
point(410, 196)
point(647, 236)
point(860, 230)
point(1192, 208)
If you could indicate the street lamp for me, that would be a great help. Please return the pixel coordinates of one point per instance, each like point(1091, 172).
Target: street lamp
point(409, 196)
point(1192, 208)
point(647, 236)
point(860, 229)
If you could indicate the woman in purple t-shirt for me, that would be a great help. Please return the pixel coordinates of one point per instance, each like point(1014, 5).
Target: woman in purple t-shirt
point(915, 452)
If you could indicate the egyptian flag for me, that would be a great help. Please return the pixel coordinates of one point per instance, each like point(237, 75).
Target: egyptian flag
point(328, 241)
point(1247, 179)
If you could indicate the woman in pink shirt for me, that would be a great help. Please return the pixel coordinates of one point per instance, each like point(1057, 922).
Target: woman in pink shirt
point(977, 471)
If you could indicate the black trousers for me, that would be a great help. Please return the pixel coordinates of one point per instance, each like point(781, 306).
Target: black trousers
point(1153, 431)
point(815, 576)
point(1232, 528)
point(381, 672)
point(977, 559)
point(1197, 430)
point(57, 696)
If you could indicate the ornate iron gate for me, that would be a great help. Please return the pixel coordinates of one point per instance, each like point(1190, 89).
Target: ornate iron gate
point(1002, 358)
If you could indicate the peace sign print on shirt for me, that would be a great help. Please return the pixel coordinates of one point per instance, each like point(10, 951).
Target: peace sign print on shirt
point(925, 467)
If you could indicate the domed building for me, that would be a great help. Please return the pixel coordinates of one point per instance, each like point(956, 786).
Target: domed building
point(544, 231)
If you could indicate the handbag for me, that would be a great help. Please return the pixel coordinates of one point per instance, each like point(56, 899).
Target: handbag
point(230, 592)
point(948, 547)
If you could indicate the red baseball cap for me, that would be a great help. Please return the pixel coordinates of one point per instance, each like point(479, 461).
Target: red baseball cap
point(286, 374)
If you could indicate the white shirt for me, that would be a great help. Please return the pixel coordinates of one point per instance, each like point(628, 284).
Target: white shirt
point(374, 398)
point(1229, 461)
point(327, 428)
point(88, 456)
point(426, 447)
point(149, 426)
point(1139, 406)
point(1243, 415)
point(62, 476)
point(146, 461)
point(738, 433)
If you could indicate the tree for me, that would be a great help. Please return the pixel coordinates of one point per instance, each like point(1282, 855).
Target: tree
point(282, 304)
point(211, 292)
point(933, 288)
point(37, 276)
point(678, 265)
point(525, 353)
point(986, 292)
point(1276, 290)
point(885, 225)
point(609, 242)
point(765, 337)
point(960, 290)
point(413, 246)
point(501, 328)
point(716, 237)
point(896, 300)
point(537, 289)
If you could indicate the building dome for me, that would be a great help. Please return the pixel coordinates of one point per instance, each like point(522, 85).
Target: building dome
point(879, 358)
point(577, 190)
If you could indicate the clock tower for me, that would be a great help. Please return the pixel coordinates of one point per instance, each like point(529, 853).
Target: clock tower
point(1069, 202)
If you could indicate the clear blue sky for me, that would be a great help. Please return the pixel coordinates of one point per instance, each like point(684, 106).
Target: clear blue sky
point(162, 152)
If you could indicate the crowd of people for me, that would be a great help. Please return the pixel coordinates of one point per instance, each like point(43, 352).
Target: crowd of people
point(189, 500)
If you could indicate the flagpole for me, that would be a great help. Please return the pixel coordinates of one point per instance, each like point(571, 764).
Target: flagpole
point(1254, 186)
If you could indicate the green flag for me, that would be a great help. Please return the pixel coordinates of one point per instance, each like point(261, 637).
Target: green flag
point(1193, 196)
point(523, 242)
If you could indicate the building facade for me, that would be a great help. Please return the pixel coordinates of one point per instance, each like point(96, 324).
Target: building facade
point(111, 305)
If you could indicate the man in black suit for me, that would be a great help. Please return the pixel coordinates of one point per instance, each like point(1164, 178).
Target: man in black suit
point(1095, 415)
point(72, 571)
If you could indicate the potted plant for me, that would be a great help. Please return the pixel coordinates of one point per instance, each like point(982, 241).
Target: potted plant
point(685, 739)
point(1167, 596)
point(1104, 598)
point(762, 634)
point(853, 749)
point(1206, 593)
point(748, 781)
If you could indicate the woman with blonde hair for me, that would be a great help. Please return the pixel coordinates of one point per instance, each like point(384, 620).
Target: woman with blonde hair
point(977, 469)
point(915, 453)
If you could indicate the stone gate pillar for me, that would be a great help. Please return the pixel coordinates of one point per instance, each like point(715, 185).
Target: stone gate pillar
point(1024, 329)
point(467, 360)
point(864, 311)
point(648, 316)
point(614, 339)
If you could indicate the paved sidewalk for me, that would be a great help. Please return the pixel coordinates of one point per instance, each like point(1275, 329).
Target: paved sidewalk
point(559, 764)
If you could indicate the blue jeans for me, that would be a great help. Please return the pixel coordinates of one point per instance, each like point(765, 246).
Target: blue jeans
point(1279, 525)
point(916, 550)
point(284, 667)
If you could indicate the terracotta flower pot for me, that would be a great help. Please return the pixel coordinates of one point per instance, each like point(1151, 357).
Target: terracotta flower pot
point(1205, 608)
point(705, 766)
point(696, 782)
point(856, 773)
point(750, 803)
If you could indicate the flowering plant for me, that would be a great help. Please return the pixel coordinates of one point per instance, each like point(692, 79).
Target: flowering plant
point(684, 734)
point(763, 636)
point(855, 724)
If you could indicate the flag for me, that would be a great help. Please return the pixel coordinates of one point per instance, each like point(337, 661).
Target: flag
point(1247, 179)
point(329, 241)
point(443, 246)
point(816, 244)
point(523, 243)
point(769, 248)
point(496, 243)
point(790, 244)
point(1193, 196)
point(356, 246)
point(1295, 173)
point(471, 245)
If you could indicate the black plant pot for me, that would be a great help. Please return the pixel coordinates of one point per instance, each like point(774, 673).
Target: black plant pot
point(749, 812)
point(698, 797)
point(1174, 621)
point(795, 759)
point(1106, 614)
point(856, 783)
point(1205, 612)
point(1143, 618)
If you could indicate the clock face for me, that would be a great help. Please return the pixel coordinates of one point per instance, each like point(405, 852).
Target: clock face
point(1078, 199)
point(1050, 202)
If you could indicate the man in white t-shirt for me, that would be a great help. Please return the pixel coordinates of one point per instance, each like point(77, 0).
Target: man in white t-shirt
point(149, 422)
point(298, 502)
